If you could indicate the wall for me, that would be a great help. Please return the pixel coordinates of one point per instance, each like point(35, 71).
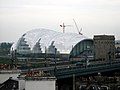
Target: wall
point(40, 85)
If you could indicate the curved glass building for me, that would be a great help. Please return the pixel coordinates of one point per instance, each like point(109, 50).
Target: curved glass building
point(48, 41)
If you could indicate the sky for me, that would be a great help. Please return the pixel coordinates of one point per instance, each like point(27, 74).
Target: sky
point(95, 17)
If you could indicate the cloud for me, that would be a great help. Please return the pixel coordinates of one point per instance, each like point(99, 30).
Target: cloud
point(94, 16)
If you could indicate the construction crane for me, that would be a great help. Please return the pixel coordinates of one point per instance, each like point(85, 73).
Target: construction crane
point(79, 31)
point(63, 26)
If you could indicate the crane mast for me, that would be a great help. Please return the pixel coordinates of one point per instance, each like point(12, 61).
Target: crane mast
point(79, 31)
point(63, 26)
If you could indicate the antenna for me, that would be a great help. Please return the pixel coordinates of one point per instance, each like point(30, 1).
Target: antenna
point(79, 31)
point(63, 26)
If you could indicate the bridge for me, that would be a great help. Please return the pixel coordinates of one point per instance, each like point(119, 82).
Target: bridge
point(87, 70)
point(64, 73)
point(68, 70)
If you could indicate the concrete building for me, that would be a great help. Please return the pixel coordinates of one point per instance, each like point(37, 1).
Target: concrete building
point(40, 83)
point(104, 47)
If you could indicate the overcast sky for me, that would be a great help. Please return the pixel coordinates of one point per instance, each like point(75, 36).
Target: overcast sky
point(93, 16)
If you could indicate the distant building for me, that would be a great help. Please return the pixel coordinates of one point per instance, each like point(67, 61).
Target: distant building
point(117, 48)
point(104, 47)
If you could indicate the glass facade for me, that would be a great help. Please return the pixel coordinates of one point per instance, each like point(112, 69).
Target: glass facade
point(22, 46)
point(83, 47)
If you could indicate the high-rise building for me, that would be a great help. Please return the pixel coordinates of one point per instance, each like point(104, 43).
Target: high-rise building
point(104, 47)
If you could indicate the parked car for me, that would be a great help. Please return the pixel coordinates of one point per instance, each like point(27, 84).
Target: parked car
point(93, 87)
point(80, 64)
point(82, 87)
point(105, 88)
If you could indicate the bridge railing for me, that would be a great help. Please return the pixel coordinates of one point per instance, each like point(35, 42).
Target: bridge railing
point(89, 67)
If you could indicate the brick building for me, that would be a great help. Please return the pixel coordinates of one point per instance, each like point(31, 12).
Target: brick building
point(104, 47)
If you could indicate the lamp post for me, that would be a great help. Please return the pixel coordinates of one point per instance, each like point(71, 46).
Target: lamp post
point(15, 58)
point(45, 57)
point(72, 54)
point(55, 61)
point(73, 81)
point(109, 54)
point(12, 58)
point(86, 62)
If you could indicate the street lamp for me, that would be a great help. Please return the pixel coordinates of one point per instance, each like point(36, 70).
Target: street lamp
point(73, 81)
point(109, 54)
point(12, 58)
point(15, 57)
point(55, 61)
point(86, 62)
point(45, 57)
